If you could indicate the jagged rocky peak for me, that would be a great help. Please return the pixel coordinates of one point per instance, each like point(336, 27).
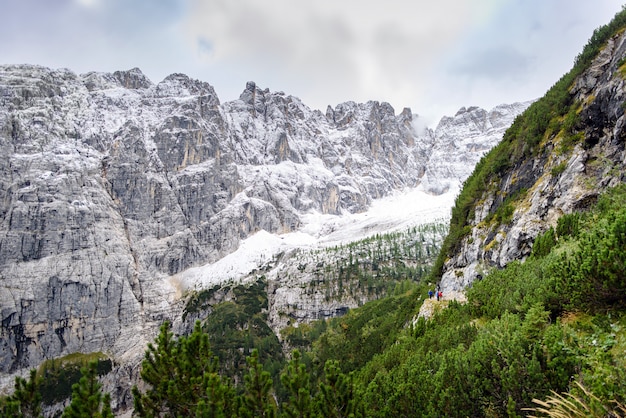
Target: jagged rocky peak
point(502, 116)
point(561, 174)
point(349, 112)
point(32, 82)
point(255, 98)
point(475, 122)
point(460, 141)
point(463, 110)
point(112, 187)
point(133, 79)
point(95, 81)
point(179, 85)
point(342, 114)
point(406, 115)
point(263, 102)
point(382, 110)
point(251, 92)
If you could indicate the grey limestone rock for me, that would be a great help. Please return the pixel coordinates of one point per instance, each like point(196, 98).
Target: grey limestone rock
point(111, 185)
point(590, 167)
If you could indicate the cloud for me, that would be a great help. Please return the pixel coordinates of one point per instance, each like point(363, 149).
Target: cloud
point(494, 63)
point(342, 50)
point(95, 35)
point(432, 56)
point(88, 3)
point(516, 53)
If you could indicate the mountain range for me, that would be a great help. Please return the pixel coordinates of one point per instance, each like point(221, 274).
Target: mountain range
point(126, 204)
point(119, 195)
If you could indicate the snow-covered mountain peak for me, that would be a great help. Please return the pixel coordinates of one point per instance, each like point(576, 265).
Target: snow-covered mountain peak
point(133, 79)
point(112, 186)
point(460, 141)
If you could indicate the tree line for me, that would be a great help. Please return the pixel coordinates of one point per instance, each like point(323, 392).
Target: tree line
point(183, 379)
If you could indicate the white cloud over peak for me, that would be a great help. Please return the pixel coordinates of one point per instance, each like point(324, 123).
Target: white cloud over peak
point(432, 56)
point(348, 49)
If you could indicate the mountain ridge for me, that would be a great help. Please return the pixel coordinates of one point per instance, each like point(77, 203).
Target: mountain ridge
point(555, 159)
point(114, 184)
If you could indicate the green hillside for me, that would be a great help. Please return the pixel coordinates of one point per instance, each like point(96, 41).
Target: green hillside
point(555, 322)
point(554, 117)
point(541, 337)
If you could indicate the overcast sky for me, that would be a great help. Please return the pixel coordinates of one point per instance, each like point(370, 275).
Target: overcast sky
point(433, 56)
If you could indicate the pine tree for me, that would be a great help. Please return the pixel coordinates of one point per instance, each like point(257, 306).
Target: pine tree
point(297, 382)
point(87, 399)
point(219, 401)
point(257, 400)
point(336, 398)
point(156, 370)
point(183, 378)
point(25, 402)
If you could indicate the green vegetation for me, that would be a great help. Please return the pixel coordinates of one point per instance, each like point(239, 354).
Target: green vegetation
point(87, 397)
point(594, 275)
point(544, 243)
point(357, 337)
point(552, 324)
point(199, 301)
point(296, 380)
point(528, 331)
point(235, 316)
point(558, 169)
point(336, 396)
point(59, 375)
point(237, 325)
point(553, 114)
point(184, 381)
point(374, 266)
point(304, 334)
point(25, 400)
point(183, 377)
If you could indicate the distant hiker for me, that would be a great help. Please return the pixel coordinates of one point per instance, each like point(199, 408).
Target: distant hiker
point(430, 294)
point(440, 295)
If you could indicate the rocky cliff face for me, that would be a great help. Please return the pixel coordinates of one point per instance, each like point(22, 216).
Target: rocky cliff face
point(566, 175)
point(461, 140)
point(111, 185)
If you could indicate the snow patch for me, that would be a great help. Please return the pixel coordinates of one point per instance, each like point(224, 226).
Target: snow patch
point(399, 211)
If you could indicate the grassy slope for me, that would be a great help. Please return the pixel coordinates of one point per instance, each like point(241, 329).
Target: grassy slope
point(521, 335)
point(555, 113)
point(529, 329)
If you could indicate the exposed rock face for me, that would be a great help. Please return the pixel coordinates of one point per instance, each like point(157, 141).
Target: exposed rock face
point(460, 141)
point(110, 185)
point(557, 182)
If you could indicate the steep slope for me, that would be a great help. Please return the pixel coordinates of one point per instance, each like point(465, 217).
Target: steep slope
point(112, 186)
point(555, 159)
point(537, 241)
point(460, 141)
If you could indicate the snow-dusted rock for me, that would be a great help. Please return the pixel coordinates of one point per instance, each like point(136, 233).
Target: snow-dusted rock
point(556, 181)
point(460, 142)
point(111, 186)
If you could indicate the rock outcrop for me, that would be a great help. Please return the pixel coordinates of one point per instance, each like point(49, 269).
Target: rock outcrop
point(566, 175)
point(111, 185)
